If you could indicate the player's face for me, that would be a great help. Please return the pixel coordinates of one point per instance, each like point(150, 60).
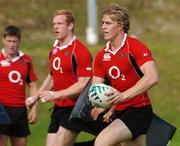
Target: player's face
point(60, 27)
point(110, 28)
point(11, 44)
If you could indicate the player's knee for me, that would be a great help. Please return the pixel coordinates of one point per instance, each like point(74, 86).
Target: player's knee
point(98, 143)
point(101, 142)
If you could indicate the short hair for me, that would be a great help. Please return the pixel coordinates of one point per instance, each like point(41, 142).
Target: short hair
point(12, 31)
point(119, 14)
point(67, 13)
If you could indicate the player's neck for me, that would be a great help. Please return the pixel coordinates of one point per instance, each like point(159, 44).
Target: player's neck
point(66, 40)
point(11, 56)
point(117, 41)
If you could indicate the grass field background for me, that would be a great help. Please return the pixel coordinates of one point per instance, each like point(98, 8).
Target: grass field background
point(155, 23)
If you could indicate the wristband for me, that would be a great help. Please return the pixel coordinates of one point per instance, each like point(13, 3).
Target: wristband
point(42, 100)
point(29, 99)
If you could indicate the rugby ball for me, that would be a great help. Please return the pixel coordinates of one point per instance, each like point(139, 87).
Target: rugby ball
point(97, 95)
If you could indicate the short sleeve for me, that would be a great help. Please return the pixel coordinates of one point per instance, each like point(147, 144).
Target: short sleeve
point(141, 53)
point(98, 66)
point(83, 60)
point(31, 74)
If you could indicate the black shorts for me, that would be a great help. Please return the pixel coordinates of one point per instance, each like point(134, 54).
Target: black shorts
point(60, 117)
point(137, 120)
point(19, 126)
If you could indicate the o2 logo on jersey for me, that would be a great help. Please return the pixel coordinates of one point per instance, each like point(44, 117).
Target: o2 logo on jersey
point(114, 73)
point(57, 64)
point(15, 77)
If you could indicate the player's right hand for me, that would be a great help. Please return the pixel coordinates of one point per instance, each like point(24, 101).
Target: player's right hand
point(107, 117)
point(95, 112)
point(30, 101)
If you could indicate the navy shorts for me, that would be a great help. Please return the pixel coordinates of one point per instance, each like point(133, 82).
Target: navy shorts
point(60, 117)
point(4, 119)
point(19, 125)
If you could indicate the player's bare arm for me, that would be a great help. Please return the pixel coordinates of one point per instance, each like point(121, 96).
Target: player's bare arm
point(47, 85)
point(32, 115)
point(74, 89)
point(97, 80)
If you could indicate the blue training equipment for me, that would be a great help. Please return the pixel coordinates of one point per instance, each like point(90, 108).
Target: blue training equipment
point(160, 132)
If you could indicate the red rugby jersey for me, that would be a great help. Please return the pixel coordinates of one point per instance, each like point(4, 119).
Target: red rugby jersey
point(14, 74)
point(67, 63)
point(121, 68)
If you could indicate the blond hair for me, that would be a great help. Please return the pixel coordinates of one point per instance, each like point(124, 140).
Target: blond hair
point(119, 14)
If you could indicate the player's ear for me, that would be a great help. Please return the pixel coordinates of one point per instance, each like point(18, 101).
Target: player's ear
point(3, 39)
point(71, 26)
point(120, 26)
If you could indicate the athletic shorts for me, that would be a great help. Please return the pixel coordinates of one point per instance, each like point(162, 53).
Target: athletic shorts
point(4, 119)
point(19, 126)
point(60, 117)
point(138, 121)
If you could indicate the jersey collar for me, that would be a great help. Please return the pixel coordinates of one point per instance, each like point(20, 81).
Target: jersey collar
point(108, 48)
point(56, 43)
point(20, 54)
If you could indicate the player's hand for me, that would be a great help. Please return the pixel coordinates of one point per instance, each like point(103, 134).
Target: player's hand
point(114, 96)
point(107, 117)
point(32, 116)
point(46, 96)
point(30, 101)
point(95, 112)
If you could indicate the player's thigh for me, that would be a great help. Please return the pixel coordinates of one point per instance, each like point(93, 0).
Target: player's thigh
point(113, 134)
point(51, 137)
point(60, 117)
point(65, 137)
point(18, 141)
point(137, 120)
point(64, 132)
point(139, 141)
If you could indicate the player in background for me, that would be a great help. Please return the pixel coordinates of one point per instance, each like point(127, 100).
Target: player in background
point(70, 71)
point(129, 66)
point(16, 70)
